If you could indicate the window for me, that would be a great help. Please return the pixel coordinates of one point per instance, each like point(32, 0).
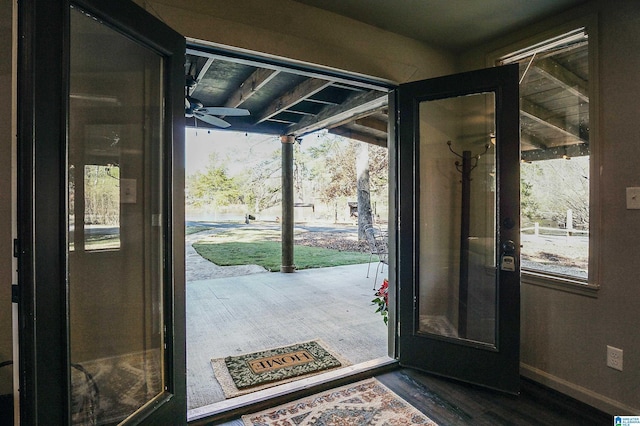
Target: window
point(556, 146)
point(102, 197)
point(99, 208)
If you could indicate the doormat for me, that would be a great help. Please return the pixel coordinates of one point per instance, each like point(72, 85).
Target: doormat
point(242, 374)
point(368, 402)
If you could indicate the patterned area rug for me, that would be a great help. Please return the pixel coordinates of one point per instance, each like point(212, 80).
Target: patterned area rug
point(107, 390)
point(367, 402)
point(242, 374)
point(437, 324)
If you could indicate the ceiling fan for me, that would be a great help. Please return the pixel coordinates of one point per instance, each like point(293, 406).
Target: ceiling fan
point(195, 108)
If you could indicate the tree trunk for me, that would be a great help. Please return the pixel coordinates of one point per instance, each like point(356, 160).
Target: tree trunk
point(364, 198)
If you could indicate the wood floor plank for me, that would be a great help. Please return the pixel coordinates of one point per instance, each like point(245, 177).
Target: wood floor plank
point(448, 402)
point(451, 403)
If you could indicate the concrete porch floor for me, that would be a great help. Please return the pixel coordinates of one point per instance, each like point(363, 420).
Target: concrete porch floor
point(243, 314)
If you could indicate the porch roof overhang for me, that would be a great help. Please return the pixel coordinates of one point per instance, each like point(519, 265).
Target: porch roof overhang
point(282, 101)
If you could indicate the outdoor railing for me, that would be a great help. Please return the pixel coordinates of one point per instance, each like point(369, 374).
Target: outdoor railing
point(536, 228)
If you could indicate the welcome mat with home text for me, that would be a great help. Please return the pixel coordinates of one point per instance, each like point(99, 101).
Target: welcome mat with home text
point(230, 390)
point(277, 364)
point(368, 402)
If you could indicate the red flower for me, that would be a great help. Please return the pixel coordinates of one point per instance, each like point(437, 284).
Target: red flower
point(382, 300)
point(383, 291)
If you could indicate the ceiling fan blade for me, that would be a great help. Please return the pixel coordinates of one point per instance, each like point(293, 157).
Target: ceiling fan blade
point(224, 111)
point(215, 121)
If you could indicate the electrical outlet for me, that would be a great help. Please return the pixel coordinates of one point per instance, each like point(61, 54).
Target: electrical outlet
point(633, 198)
point(614, 358)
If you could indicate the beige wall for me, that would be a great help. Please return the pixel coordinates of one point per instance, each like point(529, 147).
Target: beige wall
point(564, 335)
point(6, 137)
point(292, 30)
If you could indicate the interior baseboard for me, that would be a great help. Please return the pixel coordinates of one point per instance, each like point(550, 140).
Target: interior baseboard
point(577, 392)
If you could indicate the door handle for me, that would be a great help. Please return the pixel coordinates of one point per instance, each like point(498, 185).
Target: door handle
point(509, 247)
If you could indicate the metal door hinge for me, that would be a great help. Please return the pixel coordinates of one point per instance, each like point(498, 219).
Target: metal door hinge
point(16, 248)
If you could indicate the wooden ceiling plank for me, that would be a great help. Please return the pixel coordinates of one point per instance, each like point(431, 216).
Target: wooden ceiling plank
point(294, 111)
point(320, 101)
point(280, 120)
point(355, 107)
point(250, 86)
point(299, 93)
point(564, 77)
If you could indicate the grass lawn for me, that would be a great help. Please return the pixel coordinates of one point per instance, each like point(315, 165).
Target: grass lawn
point(261, 247)
point(196, 228)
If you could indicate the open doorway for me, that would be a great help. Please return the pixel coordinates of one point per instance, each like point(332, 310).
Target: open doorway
point(247, 310)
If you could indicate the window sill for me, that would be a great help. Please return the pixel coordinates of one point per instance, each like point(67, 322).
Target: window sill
point(560, 283)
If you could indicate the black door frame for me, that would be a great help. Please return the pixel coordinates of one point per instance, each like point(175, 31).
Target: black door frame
point(309, 70)
point(43, 69)
point(499, 368)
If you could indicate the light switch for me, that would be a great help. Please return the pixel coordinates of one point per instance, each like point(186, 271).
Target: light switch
point(128, 191)
point(633, 198)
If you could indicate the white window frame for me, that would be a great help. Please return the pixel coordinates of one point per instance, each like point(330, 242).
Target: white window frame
point(591, 286)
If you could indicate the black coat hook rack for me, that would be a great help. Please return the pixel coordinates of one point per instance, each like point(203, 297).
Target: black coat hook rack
point(468, 162)
point(465, 167)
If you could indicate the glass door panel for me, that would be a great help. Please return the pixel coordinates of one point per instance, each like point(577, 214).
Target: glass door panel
point(458, 237)
point(100, 225)
point(115, 253)
point(457, 288)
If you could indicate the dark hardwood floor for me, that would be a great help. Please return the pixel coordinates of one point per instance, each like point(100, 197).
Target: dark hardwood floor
point(452, 403)
point(448, 402)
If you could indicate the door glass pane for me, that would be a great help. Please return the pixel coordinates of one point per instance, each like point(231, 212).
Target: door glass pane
point(115, 253)
point(457, 218)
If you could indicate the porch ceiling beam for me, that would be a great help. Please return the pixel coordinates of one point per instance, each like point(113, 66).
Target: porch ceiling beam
point(348, 87)
point(373, 123)
point(250, 86)
point(579, 150)
point(545, 117)
point(565, 78)
point(532, 140)
point(299, 93)
point(355, 107)
point(201, 74)
point(362, 137)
